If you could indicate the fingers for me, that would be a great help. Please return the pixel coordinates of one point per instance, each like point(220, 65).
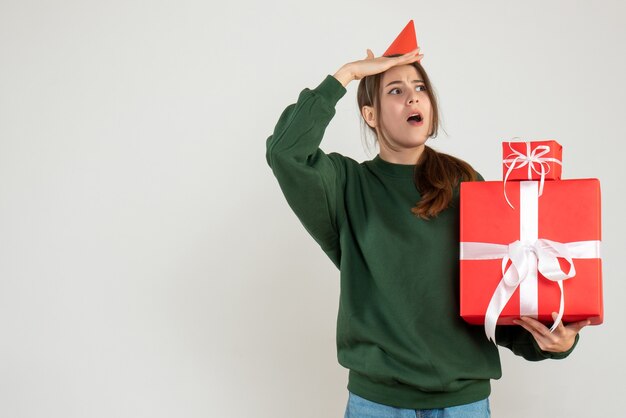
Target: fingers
point(414, 52)
point(560, 340)
point(546, 340)
point(560, 327)
point(577, 326)
point(411, 56)
point(408, 55)
point(539, 328)
point(574, 326)
point(533, 326)
point(371, 65)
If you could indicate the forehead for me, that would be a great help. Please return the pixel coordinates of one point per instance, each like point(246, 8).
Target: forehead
point(400, 73)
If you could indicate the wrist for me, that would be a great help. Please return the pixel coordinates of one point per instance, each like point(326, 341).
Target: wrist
point(344, 75)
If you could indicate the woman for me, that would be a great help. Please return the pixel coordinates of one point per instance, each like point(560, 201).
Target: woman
point(391, 226)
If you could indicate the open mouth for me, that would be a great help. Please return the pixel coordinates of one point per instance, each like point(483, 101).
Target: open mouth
point(415, 119)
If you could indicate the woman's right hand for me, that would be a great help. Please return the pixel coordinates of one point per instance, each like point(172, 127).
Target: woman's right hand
point(370, 65)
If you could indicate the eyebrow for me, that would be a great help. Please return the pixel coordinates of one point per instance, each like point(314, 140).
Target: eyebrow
point(400, 82)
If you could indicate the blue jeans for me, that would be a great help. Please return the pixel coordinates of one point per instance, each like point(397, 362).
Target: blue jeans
point(362, 408)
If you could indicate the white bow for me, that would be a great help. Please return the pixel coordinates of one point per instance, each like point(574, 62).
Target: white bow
point(533, 159)
point(526, 259)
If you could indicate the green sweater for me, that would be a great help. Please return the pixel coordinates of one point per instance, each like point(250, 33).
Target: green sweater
point(398, 329)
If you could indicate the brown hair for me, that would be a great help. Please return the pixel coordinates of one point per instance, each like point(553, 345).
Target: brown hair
point(440, 173)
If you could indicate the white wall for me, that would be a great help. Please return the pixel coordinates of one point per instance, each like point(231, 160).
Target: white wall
point(149, 265)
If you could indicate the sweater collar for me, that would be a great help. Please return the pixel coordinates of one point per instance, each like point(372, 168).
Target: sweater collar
point(392, 169)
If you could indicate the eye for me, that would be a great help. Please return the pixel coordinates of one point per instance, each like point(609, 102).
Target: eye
point(396, 89)
point(420, 87)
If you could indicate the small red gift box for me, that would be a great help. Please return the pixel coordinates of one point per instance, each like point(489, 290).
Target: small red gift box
point(518, 262)
point(531, 160)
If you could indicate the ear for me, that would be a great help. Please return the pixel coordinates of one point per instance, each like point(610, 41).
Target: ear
point(369, 115)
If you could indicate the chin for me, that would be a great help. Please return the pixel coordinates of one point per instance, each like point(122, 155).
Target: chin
point(417, 142)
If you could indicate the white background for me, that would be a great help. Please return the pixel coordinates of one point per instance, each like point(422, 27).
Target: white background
point(149, 264)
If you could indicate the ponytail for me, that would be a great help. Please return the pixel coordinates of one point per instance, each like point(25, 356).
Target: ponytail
point(436, 180)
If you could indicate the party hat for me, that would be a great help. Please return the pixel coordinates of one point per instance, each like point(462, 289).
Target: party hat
point(405, 42)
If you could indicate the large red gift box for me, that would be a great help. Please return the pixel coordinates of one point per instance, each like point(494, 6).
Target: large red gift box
point(567, 212)
point(528, 160)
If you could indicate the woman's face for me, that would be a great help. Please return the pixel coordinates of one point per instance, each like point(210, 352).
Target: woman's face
point(402, 98)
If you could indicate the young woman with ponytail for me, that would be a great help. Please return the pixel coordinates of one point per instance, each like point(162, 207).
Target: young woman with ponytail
point(390, 225)
point(440, 173)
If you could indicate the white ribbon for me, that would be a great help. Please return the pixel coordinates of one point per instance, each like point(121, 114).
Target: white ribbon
point(528, 255)
point(535, 161)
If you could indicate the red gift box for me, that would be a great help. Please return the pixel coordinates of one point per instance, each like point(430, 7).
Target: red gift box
point(560, 225)
point(532, 160)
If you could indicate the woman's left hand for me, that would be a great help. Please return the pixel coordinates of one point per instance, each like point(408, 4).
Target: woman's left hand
point(562, 339)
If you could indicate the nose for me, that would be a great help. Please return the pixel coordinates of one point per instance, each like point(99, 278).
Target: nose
point(413, 98)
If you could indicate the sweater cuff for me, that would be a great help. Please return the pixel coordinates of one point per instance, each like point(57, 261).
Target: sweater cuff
point(331, 90)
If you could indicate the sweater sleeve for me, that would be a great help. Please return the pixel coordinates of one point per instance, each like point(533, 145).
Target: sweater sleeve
point(522, 343)
point(310, 179)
